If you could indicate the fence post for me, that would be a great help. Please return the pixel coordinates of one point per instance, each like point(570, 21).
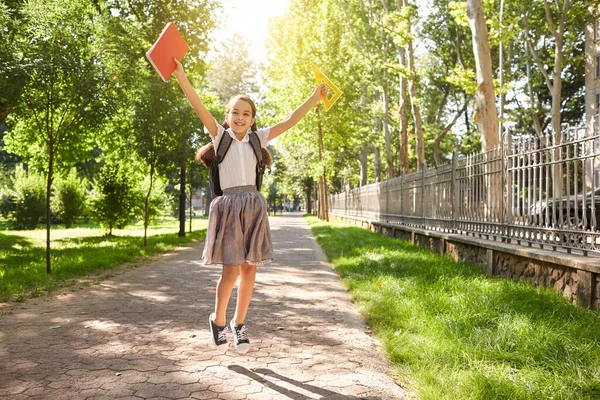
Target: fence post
point(387, 200)
point(401, 196)
point(507, 209)
point(453, 188)
point(503, 203)
point(423, 194)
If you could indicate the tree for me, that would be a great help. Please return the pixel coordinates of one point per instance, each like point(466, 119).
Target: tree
point(554, 83)
point(113, 199)
point(293, 38)
point(12, 73)
point(168, 123)
point(558, 16)
point(153, 134)
point(356, 42)
point(408, 12)
point(69, 91)
point(68, 198)
point(144, 122)
point(379, 35)
point(29, 199)
point(8, 161)
point(448, 81)
point(486, 114)
point(233, 71)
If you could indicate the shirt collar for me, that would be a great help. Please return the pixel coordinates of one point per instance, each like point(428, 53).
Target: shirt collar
point(245, 139)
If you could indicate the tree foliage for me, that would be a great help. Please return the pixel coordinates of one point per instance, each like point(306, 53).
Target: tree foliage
point(358, 45)
point(70, 83)
point(77, 90)
point(294, 41)
point(233, 71)
point(29, 193)
point(113, 201)
point(69, 195)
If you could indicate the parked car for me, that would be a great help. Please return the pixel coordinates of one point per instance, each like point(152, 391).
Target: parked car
point(574, 208)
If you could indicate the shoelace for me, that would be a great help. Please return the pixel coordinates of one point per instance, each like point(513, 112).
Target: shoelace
point(222, 335)
point(242, 334)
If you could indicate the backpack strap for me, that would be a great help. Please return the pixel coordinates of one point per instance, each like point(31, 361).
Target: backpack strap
point(225, 144)
point(260, 163)
point(215, 180)
point(223, 148)
point(255, 143)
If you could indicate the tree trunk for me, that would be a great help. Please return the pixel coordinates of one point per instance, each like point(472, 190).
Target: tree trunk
point(416, 109)
point(402, 109)
point(377, 163)
point(191, 196)
point(557, 100)
point(323, 201)
point(316, 198)
point(389, 157)
point(146, 206)
point(402, 105)
point(308, 198)
point(501, 74)
point(389, 171)
point(363, 158)
point(486, 115)
point(191, 209)
point(323, 207)
point(48, 194)
point(326, 192)
point(182, 196)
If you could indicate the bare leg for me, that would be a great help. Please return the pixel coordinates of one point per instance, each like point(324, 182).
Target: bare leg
point(224, 288)
point(245, 289)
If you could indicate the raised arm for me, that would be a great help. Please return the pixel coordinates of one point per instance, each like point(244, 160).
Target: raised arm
point(299, 112)
point(204, 115)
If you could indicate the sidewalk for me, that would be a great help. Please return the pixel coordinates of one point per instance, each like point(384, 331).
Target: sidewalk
point(144, 335)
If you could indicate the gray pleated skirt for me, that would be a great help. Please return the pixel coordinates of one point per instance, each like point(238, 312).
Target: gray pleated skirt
point(238, 229)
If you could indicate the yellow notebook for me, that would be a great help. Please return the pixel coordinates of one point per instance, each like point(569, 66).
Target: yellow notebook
point(337, 93)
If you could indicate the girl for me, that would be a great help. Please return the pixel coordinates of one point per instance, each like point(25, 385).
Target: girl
point(238, 235)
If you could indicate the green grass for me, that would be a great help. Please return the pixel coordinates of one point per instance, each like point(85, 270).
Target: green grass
point(81, 252)
point(453, 333)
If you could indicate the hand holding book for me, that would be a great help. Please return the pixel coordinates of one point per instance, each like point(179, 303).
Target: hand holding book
point(169, 46)
point(179, 72)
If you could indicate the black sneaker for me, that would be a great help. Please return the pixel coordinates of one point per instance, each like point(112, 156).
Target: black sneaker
point(219, 333)
point(240, 337)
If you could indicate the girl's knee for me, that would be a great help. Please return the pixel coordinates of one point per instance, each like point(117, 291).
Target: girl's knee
point(248, 269)
point(230, 272)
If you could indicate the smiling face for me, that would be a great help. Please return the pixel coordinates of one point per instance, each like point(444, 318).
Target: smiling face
point(240, 115)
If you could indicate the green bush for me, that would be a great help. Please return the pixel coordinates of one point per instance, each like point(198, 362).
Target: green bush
point(30, 199)
point(67, 203)
point(113, 202)
point(7, 204)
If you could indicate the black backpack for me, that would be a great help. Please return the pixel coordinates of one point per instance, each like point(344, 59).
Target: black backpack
point(224, 144)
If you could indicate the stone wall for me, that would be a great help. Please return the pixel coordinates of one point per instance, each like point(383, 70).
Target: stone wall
point(576, 277)
point(538, 273)
point(466, 252)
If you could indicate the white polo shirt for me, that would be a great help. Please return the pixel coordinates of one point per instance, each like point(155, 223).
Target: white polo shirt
point(238, 168)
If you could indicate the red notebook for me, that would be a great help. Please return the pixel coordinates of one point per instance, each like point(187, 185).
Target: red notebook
point(169, 44)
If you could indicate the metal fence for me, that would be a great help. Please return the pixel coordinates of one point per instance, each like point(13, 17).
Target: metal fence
point(527, 191)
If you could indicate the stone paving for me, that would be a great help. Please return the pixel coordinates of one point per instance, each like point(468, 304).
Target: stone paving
point(144, 335)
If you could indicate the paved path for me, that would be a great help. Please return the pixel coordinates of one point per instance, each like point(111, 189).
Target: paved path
point(144, 335)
